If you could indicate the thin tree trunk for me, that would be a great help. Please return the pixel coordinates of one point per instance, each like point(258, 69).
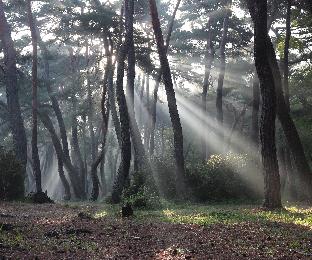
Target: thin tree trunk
point(14, 109)
point(272, 195)
point(72, 172)
point(158, 79)
point(54, 101)
point(76, 147)
point(286, 53)
point(59, 153)
point(123, 171)
point(140, 159)
point(105, 117)
point(171, 99)
point(209, 55)
point(34, 140)
point(219, 100)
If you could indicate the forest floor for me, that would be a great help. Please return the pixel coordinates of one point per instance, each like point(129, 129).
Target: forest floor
point(96, 231)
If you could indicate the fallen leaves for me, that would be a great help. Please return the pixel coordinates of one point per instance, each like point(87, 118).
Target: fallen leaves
point(64, 232)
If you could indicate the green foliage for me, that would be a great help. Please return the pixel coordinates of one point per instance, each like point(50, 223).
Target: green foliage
point(140, 195)
point(227, 214)
point(11, 177)
point(165, 176)
point(219, 179)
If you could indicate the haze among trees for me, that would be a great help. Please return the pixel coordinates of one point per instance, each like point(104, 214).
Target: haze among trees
point(188, 112)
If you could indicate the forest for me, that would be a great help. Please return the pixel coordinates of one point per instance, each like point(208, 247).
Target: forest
point(155, 129)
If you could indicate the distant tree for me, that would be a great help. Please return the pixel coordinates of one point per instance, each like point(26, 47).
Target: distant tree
point(224, 39)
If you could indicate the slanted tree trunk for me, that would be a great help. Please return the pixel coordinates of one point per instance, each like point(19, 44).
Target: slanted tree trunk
point(219, 100)
point(105, 117)
point(13, 105)
point(209, 55)
point(34, 140)
point(123, 171)
point(54, 101)
point(72, 172)
point(272, 195)
point(171, 99)
point(59, 153)
point(158, 79)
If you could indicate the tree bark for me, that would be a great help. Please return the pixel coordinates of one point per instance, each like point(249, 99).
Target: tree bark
point(158, 79)
point(290, 130)
point(34, 140)
point(272, 195)
point(254, 135)
point(14, 109)
point(171, 99)
point(123, 171)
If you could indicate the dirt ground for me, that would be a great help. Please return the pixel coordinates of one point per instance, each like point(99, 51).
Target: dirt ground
point(54, 231)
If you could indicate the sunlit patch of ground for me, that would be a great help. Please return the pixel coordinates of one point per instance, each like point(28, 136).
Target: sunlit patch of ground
point(96, 231)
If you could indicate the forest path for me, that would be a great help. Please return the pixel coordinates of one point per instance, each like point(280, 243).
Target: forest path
point(95, 231)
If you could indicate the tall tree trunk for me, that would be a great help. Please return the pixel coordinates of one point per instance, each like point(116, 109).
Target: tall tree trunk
point(123, 171)
point(171, 99)
point(54, 101)
point(209, 55)
point(90, 107)
point(140, 157)
point(105, 117)
point(14, 109)
point(34, 140)
point(219, 100)
point(158, 79)
point(290, 130)
point(272, 195)
point(288, 167)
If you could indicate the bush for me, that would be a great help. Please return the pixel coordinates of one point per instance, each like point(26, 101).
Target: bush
point(165, 176)
point(219, 179)
point(140, 195)
point(11, 177)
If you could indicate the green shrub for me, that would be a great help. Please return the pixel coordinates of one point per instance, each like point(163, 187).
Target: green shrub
point(140, 195)
point(11, 177)
point(164, 169)
point(219, 179)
